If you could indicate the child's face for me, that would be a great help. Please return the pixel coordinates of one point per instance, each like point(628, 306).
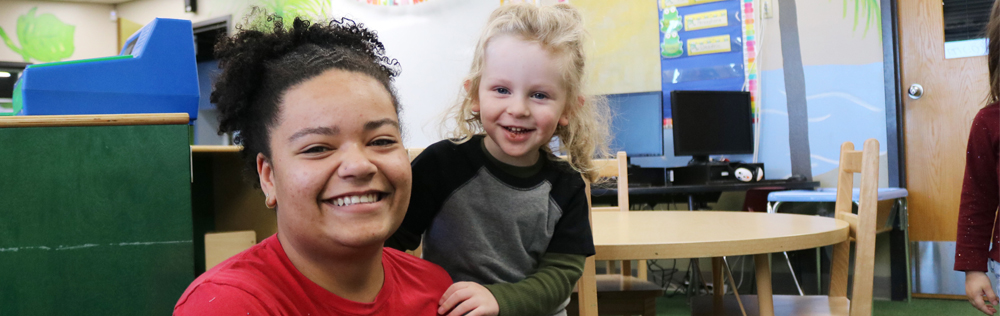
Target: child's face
point(521, 99)
point(338, 167)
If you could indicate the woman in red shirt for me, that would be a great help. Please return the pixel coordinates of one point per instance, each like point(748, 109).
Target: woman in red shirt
point(977, 225)
point(314, 108)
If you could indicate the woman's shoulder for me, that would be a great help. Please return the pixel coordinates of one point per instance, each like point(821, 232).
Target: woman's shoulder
point(413, 270)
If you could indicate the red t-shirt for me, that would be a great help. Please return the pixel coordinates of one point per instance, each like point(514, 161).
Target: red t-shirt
point(262, 281)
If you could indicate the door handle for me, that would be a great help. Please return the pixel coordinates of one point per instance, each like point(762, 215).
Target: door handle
point(915, 91)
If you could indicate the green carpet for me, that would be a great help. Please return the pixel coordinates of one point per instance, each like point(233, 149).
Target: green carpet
point(677, 306)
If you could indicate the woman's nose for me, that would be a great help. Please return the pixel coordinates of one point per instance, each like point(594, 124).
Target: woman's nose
point(355, 163)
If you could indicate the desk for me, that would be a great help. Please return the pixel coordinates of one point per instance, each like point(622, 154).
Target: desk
point(675, 235)
point(661, 193)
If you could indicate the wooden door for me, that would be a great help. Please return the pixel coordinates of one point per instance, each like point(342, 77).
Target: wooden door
point(936, 126)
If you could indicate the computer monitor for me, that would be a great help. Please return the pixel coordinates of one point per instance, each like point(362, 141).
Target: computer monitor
point(711, 123)
point(637, 123)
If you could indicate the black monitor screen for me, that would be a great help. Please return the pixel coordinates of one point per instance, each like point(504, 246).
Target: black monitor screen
point(637, 123)
point(7, 80)
point(711, 123)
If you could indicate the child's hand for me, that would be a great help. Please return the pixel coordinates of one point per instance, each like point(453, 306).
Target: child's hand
point(977, 285)
point(471, 299)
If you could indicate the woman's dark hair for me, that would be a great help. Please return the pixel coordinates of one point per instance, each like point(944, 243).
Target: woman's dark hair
point(993, 58)
point(264, 59)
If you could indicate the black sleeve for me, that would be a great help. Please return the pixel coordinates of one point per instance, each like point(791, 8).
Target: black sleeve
point(572, 234)
point(425, 201)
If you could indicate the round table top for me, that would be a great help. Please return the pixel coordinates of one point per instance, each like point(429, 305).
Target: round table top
point(697, 234)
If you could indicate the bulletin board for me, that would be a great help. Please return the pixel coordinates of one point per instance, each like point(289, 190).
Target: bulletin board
point(701, 47)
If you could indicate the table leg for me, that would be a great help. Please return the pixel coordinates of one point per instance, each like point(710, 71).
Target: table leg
point(764, 299)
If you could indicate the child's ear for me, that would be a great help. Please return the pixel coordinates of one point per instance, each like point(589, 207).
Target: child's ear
point(475, 103)
point(564, 119)
point(266, 174)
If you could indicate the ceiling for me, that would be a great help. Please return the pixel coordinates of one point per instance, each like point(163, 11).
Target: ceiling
point(90, 1)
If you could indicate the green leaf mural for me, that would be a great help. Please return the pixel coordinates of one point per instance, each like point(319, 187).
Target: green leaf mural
point(43, 38)
point(872, 12)
point(289, 9)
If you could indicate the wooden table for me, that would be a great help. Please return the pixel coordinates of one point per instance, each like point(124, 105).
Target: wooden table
point(680, 234)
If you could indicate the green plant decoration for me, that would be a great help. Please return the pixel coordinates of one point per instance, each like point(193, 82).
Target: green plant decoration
point(873, 15)
point(43, 38)
point(289, 9)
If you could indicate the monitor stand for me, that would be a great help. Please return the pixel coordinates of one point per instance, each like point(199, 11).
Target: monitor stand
point(698, 160)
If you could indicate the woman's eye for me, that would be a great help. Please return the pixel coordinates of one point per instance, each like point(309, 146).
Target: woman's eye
point(502, 90)
point(316, 150)
point(539, 95)
point(383, 142)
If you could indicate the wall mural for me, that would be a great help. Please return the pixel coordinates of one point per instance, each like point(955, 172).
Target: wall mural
point(873, 15)
point(289, 9)
point(43, 38)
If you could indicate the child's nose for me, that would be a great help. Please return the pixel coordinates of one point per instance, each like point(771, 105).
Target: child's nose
point(519, 108)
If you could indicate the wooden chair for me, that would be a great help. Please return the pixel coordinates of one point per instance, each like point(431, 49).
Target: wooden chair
point(620, 293)
point(862, 233)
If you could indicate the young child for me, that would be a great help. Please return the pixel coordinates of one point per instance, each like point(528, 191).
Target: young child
point(981, 189)
point(505, 217)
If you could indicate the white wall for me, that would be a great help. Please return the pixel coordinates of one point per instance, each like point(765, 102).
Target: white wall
point(434, 43)
point(95, 35)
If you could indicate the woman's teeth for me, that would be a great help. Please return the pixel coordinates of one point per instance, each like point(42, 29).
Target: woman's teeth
point(356, 199)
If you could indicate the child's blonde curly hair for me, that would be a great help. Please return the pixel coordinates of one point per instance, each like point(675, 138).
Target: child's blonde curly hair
point(558, 29)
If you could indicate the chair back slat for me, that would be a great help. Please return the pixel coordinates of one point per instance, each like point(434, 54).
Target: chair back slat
point(414, 152)
point(863, 226)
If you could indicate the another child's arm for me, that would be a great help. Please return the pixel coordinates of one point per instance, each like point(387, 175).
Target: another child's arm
point(980, 197)
point(977, 285)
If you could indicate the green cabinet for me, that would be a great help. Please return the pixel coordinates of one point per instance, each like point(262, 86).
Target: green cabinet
point(94, 220)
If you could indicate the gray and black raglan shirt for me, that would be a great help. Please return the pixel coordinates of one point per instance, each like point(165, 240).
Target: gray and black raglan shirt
point(487, 222)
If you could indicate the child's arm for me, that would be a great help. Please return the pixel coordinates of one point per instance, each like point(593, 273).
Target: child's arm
point(977, 212)
point(424, 201)
point(542, 292)
point(980, 196)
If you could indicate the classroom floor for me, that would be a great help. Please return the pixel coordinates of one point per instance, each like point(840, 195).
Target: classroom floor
point(677, 306)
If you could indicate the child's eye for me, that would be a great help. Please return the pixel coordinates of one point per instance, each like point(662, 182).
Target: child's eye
point(539, 95)
point(383, 142)
point(502, 90)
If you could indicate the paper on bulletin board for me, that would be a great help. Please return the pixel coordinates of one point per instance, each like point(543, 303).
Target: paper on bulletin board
point(701, 58)
point(622, 45)
point(708, 45)
point(681, 3)
point(706, 20)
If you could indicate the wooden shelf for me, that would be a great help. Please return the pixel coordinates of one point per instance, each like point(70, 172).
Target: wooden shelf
point(94, 120)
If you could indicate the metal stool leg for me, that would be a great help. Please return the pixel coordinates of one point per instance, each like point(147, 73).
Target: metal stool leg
point(773, 209)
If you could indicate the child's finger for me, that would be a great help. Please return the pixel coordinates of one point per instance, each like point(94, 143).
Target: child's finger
point(991, 296)
point(452, 297)
point(977, 302)
point(462, 309)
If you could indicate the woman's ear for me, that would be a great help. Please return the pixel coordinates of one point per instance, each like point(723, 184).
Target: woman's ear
point(266, 174)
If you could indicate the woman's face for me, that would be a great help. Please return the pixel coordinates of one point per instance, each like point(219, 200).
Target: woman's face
point(338, 170)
